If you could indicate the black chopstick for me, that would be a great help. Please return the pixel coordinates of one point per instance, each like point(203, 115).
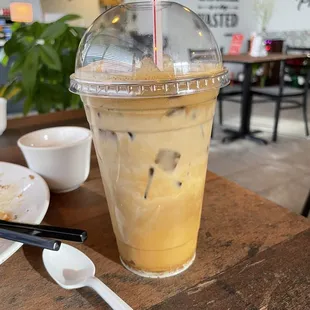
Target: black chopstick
point(30, 239)
point(45, 231)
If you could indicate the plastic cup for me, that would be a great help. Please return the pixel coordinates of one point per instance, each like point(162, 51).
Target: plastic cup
point(151, 128)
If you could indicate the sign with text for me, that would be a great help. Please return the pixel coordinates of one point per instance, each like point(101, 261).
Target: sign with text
point(219, 13)
point(301, 4)
point(236, 44)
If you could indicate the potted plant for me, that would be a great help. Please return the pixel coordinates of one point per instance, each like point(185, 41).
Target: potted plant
point(263, 10)
point(41, 58)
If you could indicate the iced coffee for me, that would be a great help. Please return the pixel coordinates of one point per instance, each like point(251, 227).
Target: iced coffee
point(151, 129)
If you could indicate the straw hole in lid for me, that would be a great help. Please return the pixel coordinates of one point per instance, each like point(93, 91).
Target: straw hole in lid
point(112, 89)
point(201, 83)
point(171, 87)
point(159, 87)
point(123, 89)
point(85, 88)
point(135, 89)
point(93, 88)
point(146, 89)
point(183, 86)
point(102, 90)
point(193, 85)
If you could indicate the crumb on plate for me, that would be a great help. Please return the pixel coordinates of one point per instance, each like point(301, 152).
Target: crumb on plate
point(5, 216)
point(4, 186)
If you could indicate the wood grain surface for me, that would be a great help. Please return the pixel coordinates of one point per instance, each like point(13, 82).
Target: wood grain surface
point(246, 58)
point(252, 254)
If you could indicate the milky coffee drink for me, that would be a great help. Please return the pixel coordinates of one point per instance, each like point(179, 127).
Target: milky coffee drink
point(151, 128)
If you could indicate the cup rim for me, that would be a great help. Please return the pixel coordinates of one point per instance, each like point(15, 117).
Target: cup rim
point(49, 148)
point(149, 88)
point(3, 101)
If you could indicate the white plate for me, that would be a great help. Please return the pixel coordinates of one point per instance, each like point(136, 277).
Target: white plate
point(23, 194)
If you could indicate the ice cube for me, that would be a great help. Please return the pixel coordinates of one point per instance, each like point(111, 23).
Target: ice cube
point(167, 160)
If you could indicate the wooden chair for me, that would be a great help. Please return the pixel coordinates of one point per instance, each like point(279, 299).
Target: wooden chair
point(227, 93)
point(283, 93)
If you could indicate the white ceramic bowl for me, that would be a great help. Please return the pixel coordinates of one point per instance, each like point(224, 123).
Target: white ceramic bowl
point(61, 155)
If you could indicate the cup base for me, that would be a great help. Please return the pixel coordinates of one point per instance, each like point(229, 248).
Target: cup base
point(159, 275)
point(61, 191)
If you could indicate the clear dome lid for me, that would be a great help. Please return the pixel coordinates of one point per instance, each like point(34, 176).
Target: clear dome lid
point(138, 50)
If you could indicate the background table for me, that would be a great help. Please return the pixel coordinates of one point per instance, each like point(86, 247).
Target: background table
point(252, 254)
point(246, 101)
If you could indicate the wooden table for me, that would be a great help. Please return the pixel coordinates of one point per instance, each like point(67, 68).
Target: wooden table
point(252, 254)
point(246, 102)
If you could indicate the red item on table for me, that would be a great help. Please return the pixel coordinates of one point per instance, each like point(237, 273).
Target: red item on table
point(236, 44)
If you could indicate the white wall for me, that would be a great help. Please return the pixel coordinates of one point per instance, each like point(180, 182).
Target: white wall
point(87, 9)
point(286, 16)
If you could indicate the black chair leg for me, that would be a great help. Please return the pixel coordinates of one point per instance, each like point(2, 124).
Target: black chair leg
point(221, 111)
point(306, 210)
point(276, 119)
point(212, 132)
point(305, 110)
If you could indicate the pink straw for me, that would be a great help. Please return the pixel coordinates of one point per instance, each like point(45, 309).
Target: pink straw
point(157, 34)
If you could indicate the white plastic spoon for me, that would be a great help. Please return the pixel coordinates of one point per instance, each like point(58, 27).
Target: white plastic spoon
point(72, 269)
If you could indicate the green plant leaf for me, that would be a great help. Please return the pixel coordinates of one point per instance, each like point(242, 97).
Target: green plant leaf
point(68, 62)
point(17, 98)
point(53, 31)
point(16, 68)
point(19, 43)
point(4, 59)
point(30, 70)
point(11, 46)
point(75, 101)
point(53, 91)
point(15, 26)
point(28, 103)
point(11, 90)
point(80, 31)
point(50, 76)
point(68, 18)
point(36, 29)
point(45, 98)
point(2, 90)
point(50, 57)
point(43, 104)
point(69, 41)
